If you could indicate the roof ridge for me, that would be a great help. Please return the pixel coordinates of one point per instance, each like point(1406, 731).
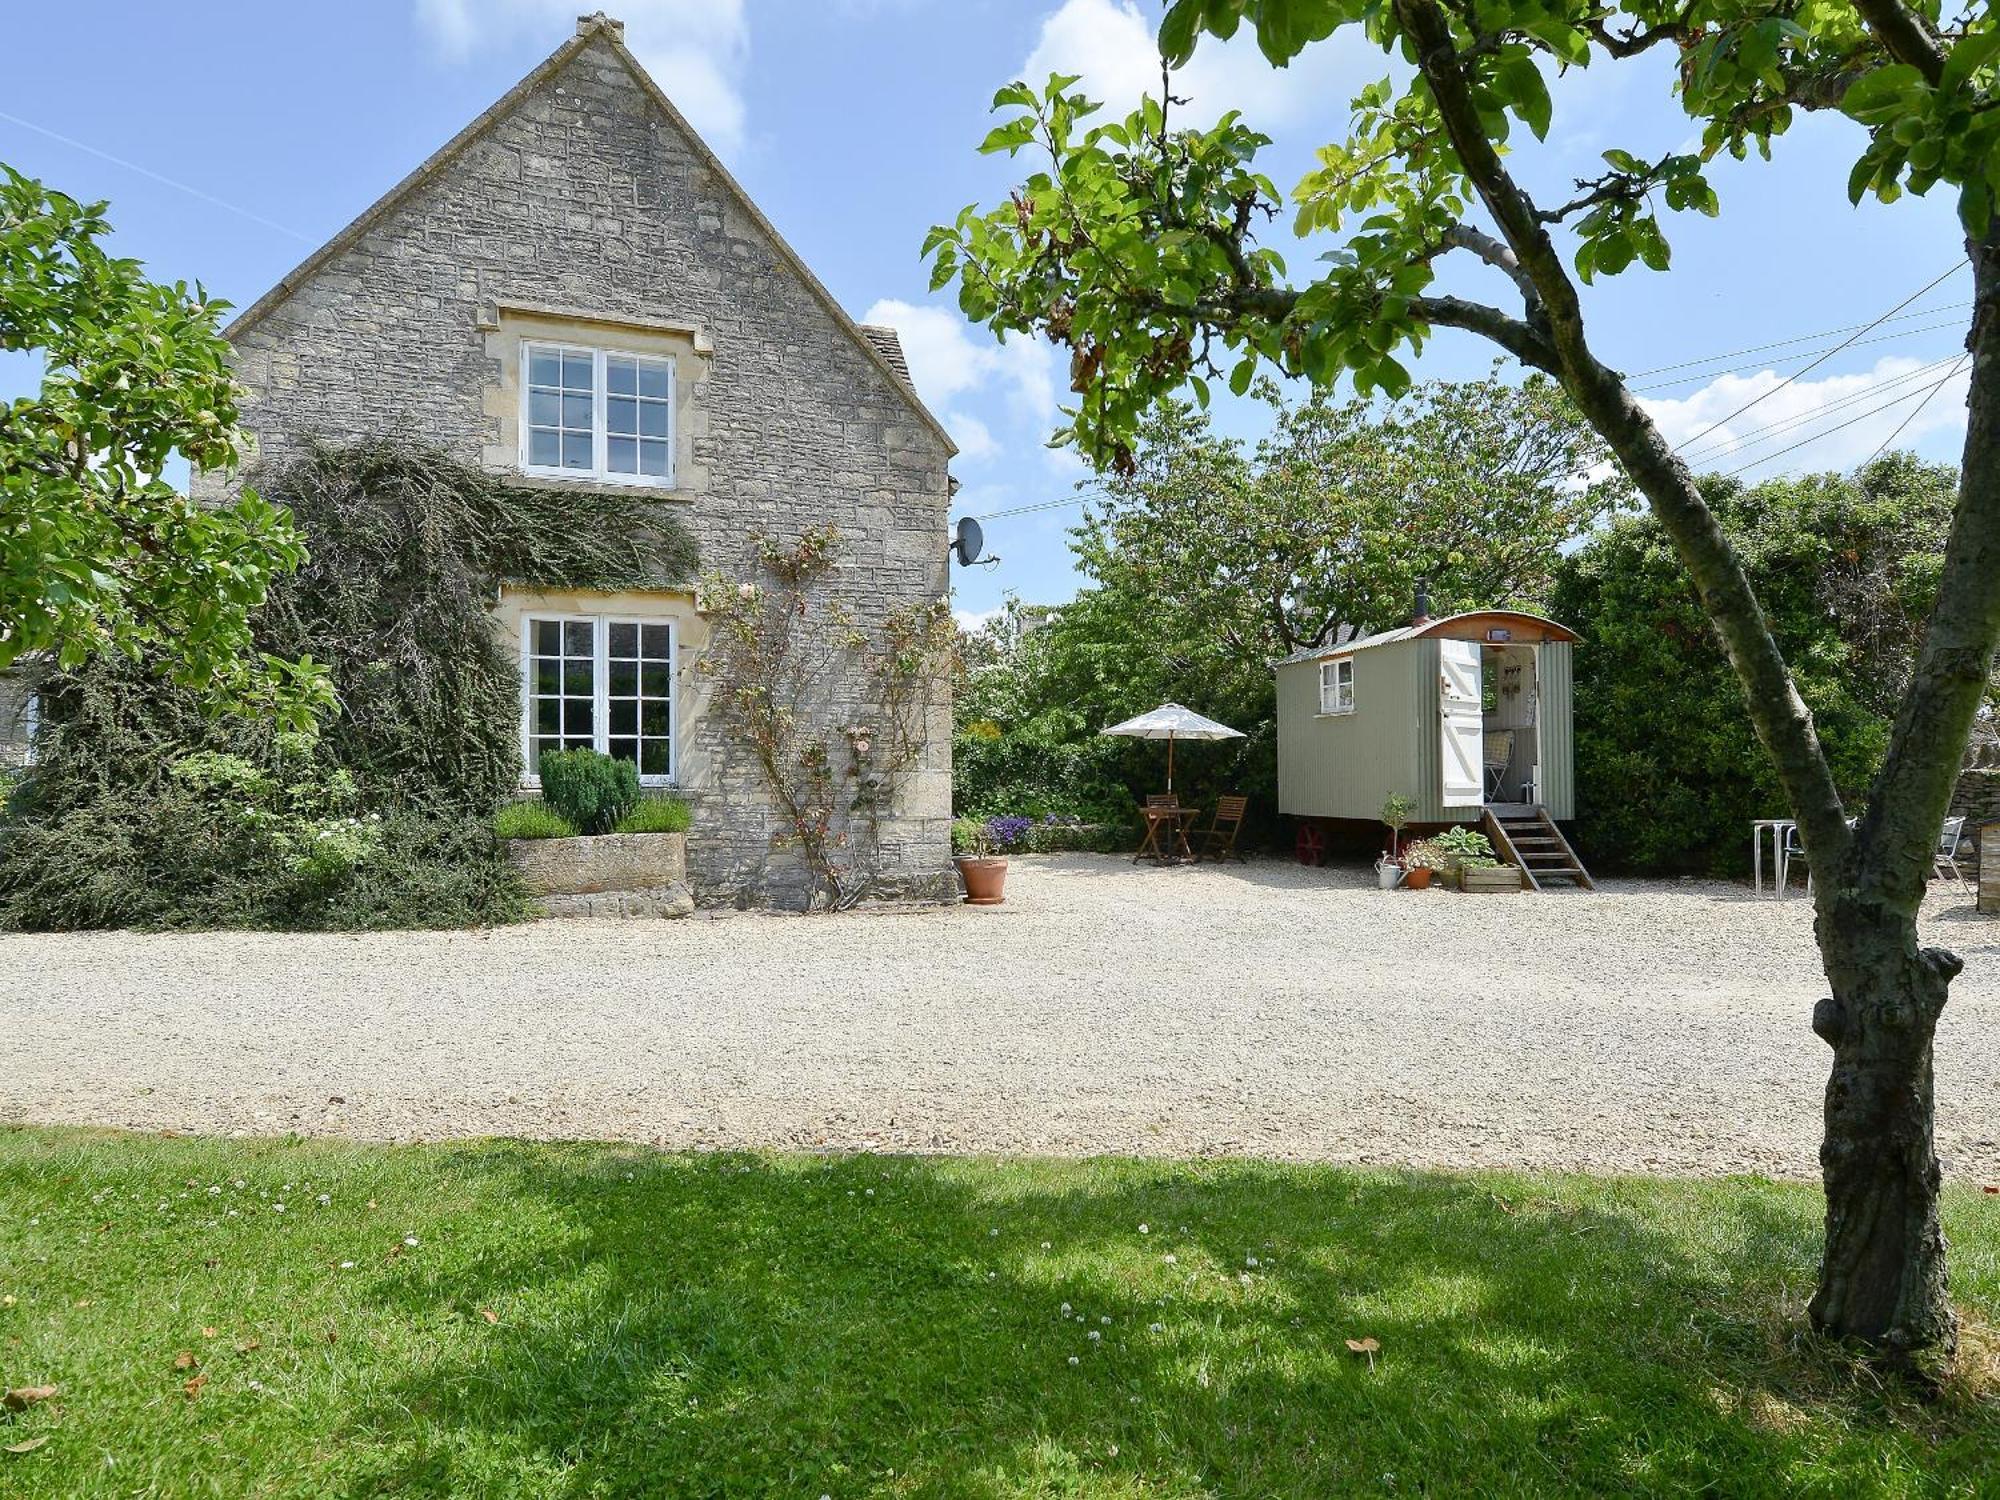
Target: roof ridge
point(589, 28)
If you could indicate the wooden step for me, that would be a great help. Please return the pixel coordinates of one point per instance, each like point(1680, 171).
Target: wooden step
point(1534, 843)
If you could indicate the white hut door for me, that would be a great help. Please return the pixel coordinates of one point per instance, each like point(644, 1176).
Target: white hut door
point(1462, 714)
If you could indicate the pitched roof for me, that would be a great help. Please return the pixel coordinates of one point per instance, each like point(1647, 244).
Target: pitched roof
point(879, 344)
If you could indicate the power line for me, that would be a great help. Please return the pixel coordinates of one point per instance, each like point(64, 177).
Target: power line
point(1758, 436)
point(1803, 338)
point(1951, 270)
point(1883, 338)
point(1840, 427)
point(1950, 375)
point(133, 166)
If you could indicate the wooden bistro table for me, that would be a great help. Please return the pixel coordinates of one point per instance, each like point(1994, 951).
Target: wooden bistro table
point(1173, 822)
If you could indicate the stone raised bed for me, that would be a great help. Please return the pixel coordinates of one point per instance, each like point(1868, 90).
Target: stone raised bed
point(610, 875)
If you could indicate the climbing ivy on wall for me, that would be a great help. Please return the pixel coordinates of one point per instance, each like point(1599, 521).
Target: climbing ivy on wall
point(408, 550)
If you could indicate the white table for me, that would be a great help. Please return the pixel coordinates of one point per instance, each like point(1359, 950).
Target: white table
point(1781, 837)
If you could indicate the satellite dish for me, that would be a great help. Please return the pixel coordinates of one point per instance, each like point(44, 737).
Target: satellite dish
point(966, 541)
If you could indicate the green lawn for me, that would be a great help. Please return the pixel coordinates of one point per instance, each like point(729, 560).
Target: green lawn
point(503, 1319)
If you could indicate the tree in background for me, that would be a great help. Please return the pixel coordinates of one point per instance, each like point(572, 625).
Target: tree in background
point(1136, 248)
point(1337, 515)
point(1669, 772)
point(1207, 562)
point(98, 553)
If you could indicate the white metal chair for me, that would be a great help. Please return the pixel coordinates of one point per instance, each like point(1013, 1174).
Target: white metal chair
point(1945, 861)
point(1499, 755)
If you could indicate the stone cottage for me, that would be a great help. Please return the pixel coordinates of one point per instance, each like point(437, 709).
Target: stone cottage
point(575, 292)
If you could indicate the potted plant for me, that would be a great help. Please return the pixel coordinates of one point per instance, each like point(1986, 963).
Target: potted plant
point(1421, 861)
point(1395, 813)
point(1463, 849)
point(983, 871)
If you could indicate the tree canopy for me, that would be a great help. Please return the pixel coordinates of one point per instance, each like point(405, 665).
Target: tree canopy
point(98, 553)
point(1335, 518)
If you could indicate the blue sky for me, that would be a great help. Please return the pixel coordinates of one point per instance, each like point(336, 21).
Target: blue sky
point(853, 122)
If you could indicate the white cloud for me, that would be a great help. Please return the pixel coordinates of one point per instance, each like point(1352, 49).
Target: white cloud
point(1112, 44)
point(1870, 404)
point(695, 49)
point(947, 362)
point(974, 437)
point(970, 620)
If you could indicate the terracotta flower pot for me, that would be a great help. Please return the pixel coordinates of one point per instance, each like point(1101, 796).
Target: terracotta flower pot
point(1418, 877)
point(983, 876)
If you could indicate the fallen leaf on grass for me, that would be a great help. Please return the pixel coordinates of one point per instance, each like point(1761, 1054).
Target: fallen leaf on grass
point(184, 1360)
point(26, 1447)
point(25, 1396)
point(193, 1388)
point(245, 1346)
point(332, 1334)
point(208, 1333)
point(1364, 1346)
point(489, 1315)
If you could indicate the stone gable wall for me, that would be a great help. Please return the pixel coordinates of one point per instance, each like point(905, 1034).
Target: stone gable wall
point(586, 198)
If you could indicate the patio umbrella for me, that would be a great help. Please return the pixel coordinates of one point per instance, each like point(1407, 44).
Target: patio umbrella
point(1171, 722)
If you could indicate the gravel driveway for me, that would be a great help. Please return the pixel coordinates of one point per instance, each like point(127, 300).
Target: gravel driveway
point(1269, 1011)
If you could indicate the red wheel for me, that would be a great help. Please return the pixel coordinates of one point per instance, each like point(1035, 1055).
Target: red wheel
point(1311, 845)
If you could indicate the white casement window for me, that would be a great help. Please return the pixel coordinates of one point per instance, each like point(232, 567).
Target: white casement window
point(1336, 686)
point(596, 414)
point(599, 682)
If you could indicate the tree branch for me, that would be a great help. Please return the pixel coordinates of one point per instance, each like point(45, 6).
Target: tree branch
point(1782, 721)
point(1519, 339)
point(1500, 257)
point(1906, 34)
point(1955, 662)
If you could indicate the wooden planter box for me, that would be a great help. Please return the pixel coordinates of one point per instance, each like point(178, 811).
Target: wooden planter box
point(1499, 878)
point(611, 875)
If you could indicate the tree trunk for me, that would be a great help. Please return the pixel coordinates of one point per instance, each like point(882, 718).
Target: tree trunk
point(1882, 1275)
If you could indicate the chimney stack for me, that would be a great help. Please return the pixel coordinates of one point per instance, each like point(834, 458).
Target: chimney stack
point(1423, 614)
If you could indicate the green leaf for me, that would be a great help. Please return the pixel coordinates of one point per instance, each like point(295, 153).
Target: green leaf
point(1178, 31)
point(1522, 82)
point(1875, 96)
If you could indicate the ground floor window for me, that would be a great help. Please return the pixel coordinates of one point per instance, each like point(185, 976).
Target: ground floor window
point(599, 682)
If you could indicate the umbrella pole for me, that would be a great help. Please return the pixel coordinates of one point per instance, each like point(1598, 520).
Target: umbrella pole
point(1170, 760)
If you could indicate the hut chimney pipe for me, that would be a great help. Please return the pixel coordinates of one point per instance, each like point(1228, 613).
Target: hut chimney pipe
point(1423, 612)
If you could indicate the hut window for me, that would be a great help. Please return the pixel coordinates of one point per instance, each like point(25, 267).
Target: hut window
point(1336, 686)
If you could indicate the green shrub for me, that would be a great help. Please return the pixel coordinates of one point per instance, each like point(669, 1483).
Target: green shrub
point(658, 814)
point(531, 820)
point(588, 789)
point(967, 834)
point(1669, 772)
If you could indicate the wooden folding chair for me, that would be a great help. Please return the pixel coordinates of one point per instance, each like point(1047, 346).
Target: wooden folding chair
point(1162, 811)
point(1228, 819)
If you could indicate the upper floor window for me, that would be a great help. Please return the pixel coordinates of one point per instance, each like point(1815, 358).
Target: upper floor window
point(1336, 686)
point(597, 414)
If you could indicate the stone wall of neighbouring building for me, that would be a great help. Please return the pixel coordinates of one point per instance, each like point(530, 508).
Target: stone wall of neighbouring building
point(1977, 800)
point(582, 200)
